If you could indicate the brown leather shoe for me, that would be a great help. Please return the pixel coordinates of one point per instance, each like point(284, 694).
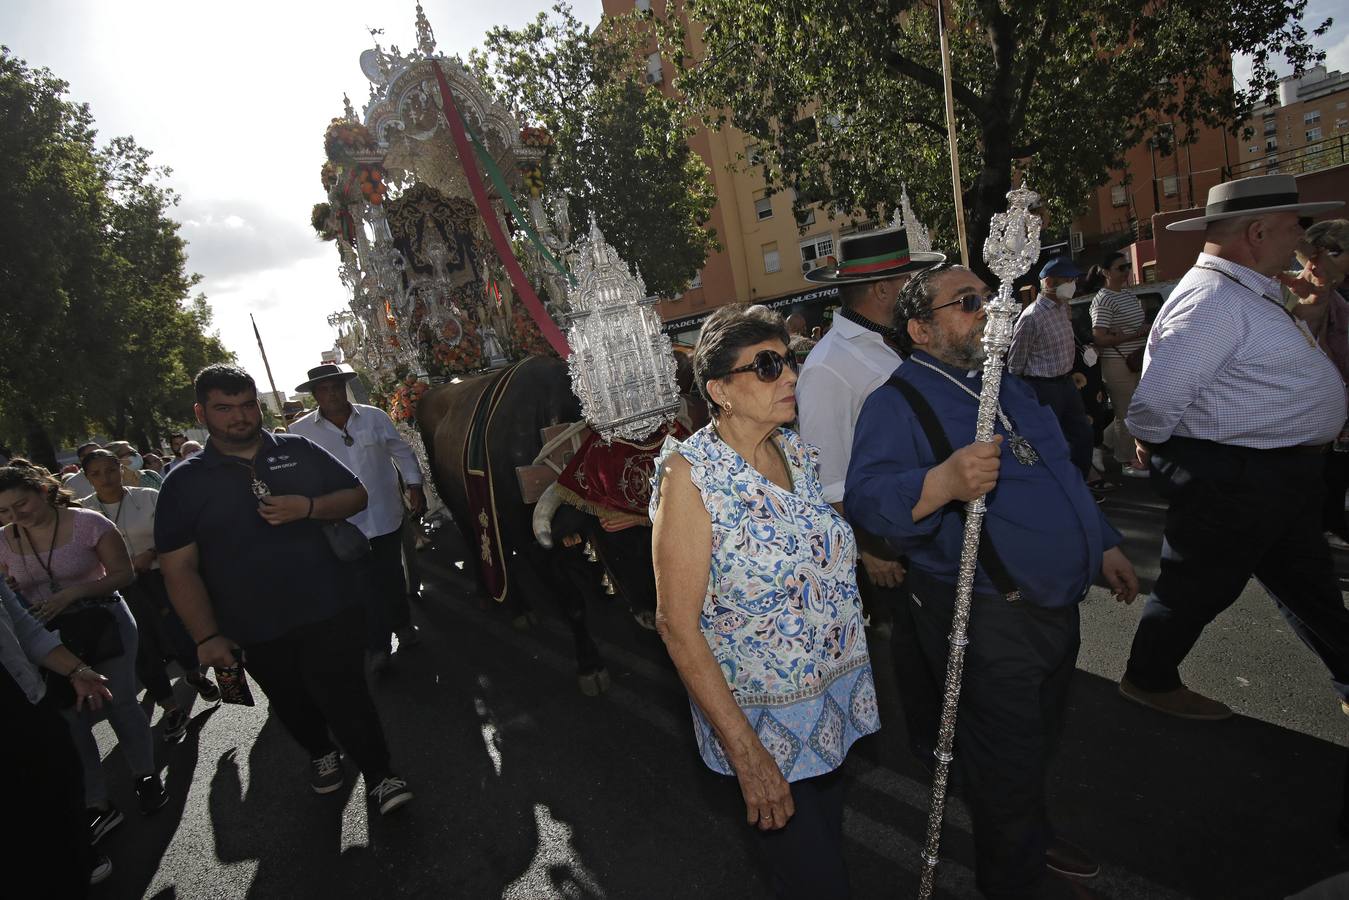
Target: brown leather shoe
point(1069, 859)
point(1181, 702)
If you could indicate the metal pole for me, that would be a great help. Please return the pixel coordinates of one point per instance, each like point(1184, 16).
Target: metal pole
point(951, 134)
point(265, 364)
point(1013, 245)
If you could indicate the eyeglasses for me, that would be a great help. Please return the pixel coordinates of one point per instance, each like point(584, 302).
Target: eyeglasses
point(767, 365)
point(969, 303)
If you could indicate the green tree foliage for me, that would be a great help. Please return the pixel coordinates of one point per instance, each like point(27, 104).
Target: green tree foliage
point(621, 148)
point(97, 329)
point(846, 96)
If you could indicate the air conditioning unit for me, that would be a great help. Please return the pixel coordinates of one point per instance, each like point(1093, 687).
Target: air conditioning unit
point(807, 266)
point(1075, 241)
point(653, 78)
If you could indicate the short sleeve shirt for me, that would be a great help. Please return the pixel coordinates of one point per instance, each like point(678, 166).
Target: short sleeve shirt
point(263, 580)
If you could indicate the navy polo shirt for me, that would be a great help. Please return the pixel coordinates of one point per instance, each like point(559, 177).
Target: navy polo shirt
point(263, 580)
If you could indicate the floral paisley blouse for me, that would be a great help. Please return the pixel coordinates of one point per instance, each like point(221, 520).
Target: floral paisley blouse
point(782, 614)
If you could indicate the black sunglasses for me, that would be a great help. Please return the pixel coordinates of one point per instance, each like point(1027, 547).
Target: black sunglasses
point(968, 303)
point(767, 365)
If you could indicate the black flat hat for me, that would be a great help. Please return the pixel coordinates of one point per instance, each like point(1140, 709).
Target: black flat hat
point(873, 256)
point(323, 372)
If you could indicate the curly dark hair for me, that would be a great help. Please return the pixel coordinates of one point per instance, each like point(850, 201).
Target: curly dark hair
point(726, 332)
point(23, 475)
point(915, 302)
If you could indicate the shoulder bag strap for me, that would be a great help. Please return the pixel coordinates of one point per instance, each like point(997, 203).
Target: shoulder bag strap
point(941, 449)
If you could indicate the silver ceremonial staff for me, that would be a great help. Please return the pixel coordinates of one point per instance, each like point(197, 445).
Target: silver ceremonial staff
point(1013, 245)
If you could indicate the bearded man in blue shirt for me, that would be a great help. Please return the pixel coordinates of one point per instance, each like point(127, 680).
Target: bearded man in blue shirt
point(1044, 543)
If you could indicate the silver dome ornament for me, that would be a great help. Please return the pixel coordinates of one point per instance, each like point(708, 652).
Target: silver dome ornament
point(622, 366)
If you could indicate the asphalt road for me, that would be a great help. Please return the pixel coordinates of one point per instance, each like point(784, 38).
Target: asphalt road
point(527, 789)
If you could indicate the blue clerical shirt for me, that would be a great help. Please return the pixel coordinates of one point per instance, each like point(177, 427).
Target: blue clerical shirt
point(1047, 529)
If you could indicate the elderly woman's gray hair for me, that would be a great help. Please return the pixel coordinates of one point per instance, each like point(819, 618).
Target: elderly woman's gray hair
point(726, 332)
point(1329, 234)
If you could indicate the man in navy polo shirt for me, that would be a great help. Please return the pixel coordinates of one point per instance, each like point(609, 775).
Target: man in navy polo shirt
point(248, 567)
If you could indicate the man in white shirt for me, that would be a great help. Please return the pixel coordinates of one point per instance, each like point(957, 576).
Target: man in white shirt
point(364, 439)
point(842, 370)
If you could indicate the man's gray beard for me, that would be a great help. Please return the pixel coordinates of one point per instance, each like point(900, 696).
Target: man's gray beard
point(968, 353)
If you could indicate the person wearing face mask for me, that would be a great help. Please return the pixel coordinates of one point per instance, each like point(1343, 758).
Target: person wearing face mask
point(134, 473)
point(1042, 353)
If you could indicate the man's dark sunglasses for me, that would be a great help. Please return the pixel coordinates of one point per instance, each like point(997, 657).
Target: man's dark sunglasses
point(969, 303)
point(767, 365)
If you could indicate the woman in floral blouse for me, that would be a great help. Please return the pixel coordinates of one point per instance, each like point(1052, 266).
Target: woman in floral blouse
point(757, 602)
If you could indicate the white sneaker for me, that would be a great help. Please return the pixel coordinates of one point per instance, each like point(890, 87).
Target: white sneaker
point(1129, 470)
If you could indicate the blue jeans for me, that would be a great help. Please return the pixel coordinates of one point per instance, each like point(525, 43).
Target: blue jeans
point(124, 714)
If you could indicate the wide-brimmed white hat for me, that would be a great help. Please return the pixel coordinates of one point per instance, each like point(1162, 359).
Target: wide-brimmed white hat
point(1253, 196)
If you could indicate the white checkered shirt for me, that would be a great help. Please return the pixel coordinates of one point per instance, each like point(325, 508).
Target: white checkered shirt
point(1226, 363)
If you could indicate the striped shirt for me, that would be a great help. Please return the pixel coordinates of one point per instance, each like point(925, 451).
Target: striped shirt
point(1122, 312)
point(1226, 363)
point(1042, 342)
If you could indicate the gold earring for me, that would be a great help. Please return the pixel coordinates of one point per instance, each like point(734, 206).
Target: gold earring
point(727, 407)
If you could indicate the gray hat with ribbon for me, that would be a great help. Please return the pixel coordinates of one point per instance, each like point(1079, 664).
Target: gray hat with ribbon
point(1254, 196)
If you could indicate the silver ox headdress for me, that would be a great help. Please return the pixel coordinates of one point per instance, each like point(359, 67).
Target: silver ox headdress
point(622, 366)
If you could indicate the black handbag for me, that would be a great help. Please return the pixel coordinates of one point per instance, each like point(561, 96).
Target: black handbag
point(91, 633)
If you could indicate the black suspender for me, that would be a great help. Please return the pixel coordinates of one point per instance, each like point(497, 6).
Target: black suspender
point(941, 449)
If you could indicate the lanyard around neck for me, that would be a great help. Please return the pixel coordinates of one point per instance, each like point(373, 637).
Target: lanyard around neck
point(51, 551)
point(1311, 341)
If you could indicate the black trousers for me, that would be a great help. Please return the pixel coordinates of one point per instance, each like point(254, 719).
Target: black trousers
point(1236, 513)
point(44, 801)
point(161, 632)
point(1337, 482)
point(1062, 396)
point(1018, 666)
point(919, 692)
point(805, 859)
point(386, 594)
point(314, 677)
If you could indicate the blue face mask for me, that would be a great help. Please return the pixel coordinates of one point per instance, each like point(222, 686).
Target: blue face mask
point(134, 462)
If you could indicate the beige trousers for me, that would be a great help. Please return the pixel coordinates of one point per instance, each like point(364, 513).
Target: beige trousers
point(1120, 384)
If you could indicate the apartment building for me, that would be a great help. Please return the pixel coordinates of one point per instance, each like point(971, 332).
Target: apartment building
point(1307, 129)
point(765, 249)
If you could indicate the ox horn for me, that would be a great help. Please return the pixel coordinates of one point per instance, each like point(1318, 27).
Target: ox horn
point(544, 511)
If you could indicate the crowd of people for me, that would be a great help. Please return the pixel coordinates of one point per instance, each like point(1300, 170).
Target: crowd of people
point(117, 578)
point(773, 545)
point(827, 493)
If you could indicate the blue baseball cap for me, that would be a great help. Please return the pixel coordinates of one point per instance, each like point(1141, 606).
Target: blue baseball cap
point(1060, 267)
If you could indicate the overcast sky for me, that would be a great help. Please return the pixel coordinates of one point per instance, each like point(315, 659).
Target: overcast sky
point(235, 97)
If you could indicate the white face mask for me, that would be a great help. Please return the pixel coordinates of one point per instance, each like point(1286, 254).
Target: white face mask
point(134, 462)
point(1065, 291)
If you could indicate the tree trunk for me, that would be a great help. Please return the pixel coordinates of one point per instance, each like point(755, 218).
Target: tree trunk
point(989, 193)
point(41, 450)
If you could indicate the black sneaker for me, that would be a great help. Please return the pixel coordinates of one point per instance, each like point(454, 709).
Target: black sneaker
point(101, 870)
point(152, 795)
point(175, 725)
point(391, 793)
point(102, 821)
point(325, 773)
